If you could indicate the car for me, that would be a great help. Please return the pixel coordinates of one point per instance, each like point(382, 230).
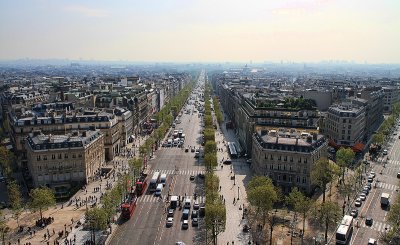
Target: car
point(372, 241)
point(185, 224)
point(195, 222)
point(354, 213)
point(191, 177)
point(228, 161)
point(192, 149)
point(196, 206)
point(201, 176)
point(369, 221)
point(365, 190)
point(187, 149)
point(385, 152)
point(248, 161)
point(372, 174)
point(363, 196)
point(370, 179)
point(358, 202)
point(170, 212)
point(195, 214)
point(398, 175)
point(170, 221)
point(368, 185)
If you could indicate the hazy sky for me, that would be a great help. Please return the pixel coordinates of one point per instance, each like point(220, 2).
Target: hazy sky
point(203, 30)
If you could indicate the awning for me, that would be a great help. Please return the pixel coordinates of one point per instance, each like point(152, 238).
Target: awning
point(358, 147)
point(332, 143)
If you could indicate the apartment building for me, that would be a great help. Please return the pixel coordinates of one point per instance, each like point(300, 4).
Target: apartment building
point(391, 97)
point(374, 108)
point(287, 156)
point(62, 162)
point(65, 123)
point(345, 124)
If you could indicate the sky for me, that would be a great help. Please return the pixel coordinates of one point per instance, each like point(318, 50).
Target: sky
point(201, 30)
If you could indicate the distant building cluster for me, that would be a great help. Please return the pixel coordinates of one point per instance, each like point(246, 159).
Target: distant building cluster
point(64, 129)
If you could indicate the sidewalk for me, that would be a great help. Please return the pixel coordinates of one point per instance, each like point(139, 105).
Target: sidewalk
point(231, 190)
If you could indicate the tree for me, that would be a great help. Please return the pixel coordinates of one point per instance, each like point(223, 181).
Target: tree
point(97, 218)
point(6, 160)
point(321, 174)
point(210, 161)
point(41, 199)
point(262, 195)
point(300, 204)
point(344, 158)
point(210, 147)
point(209, 135)
point(215, 219)
point(15, 197)
point(378, 138)
point(327, 214)
point(136, 165)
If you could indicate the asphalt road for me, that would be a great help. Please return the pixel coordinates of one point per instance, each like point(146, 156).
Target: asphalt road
point(148, 223)
point(388, 183)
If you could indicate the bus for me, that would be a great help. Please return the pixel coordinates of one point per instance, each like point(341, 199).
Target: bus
point(345, 230)
point(232, 150)
point(154, 181)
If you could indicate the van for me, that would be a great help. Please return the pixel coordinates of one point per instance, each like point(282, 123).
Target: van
point(187, 203)
point(159, 189)
point(163, 179)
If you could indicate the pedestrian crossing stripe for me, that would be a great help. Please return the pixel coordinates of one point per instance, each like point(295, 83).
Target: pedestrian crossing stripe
point(378, 226)
point(152, 198)
point(180, 172)
point(387, 186)
point(395, 162)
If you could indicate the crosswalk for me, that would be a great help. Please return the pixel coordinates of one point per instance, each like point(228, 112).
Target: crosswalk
point(180, 171)
point(152, 198)
point(387, 186)
point(378, 226)
point(394, 162)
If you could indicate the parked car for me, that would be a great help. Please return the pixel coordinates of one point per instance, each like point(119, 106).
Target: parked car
point(358, 202)
point(363, 196)
point(354, 213)
point(195, 222)
point(170, 212)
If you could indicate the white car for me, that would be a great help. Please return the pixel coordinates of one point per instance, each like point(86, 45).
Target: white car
point(358, 202)
point(363, 196)
point(170, 221)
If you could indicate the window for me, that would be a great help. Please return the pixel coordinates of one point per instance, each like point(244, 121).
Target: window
point(45, 157)
point(80, 155)
point(38, 158)
point(284, 166)
point(279, 158)
point(279, 177)
point(344, 120)
point(291, 159)
point(298, 179)
point(304, 170)
point(285, 158)
point(305, 160)
point(59, 156)
point(73, 155)
point(290, 167)
point(66, 156)
point(265, 156)
point(349, 127)
point(299, 159)
point(304, 180)
point(271, 157)
point(53, 156)
point(279, 167)
point(271, 166)
point(290, 179)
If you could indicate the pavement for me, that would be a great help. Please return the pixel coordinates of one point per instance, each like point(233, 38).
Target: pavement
point(233, 191)
point(67, 214)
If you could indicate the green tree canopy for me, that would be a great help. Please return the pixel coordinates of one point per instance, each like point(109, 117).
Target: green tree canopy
point(322, 173)
point(41, 199)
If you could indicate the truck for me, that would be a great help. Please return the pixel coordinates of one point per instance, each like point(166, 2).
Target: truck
point(174, 202)
point(128, 206)
point(385, 199)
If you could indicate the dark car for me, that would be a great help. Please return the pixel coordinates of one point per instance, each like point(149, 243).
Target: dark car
point(228, 161)
point(186, 149)
point(195, 222)
point(195, 214)
point(192, 149)
point(354, 213)
point(201, 176)
point(369, 221)
point(191, 177)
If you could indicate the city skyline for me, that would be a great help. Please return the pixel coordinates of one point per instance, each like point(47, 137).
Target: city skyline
point(201, 31)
